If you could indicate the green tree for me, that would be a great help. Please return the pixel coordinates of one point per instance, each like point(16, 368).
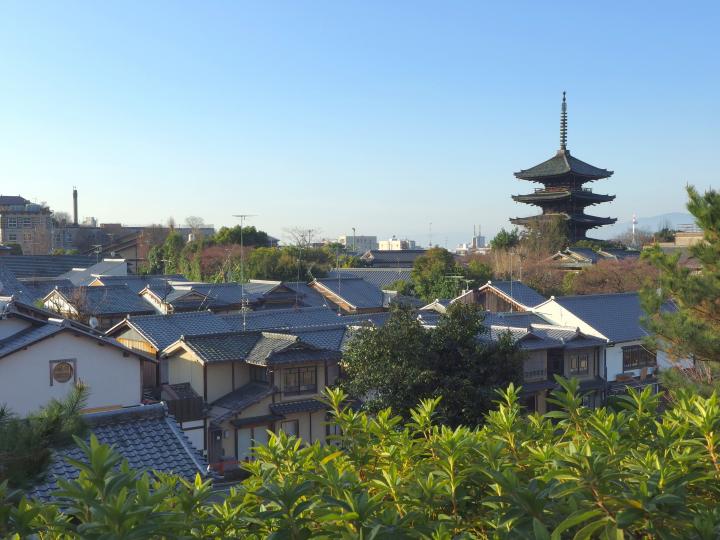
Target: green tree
point(436, 275)
point(250, 236)
point(505, 239)
point(26, 443)
point(402, 361)
point(634, 471)
point(690, 325)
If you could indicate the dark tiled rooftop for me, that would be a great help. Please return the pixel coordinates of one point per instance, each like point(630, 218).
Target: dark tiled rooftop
point(355, 291)
point(164, 330)
point(47, 266)
point(110, 300)
point(380, 277)
point(518, 291)
point(144, 435)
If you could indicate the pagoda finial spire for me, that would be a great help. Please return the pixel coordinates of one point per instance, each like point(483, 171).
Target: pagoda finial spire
point(563, 125)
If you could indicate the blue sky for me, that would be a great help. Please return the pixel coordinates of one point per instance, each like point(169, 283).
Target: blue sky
point(383, 116)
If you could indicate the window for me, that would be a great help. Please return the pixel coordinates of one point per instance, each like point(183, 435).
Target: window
point(290, 427)
point(27, 222)
point(12, 223)
point(299, 380)
point(27, 236)
point(637, 356)
point(12, 237)
point(62, 371)
point(579, 364)
point(259, 374)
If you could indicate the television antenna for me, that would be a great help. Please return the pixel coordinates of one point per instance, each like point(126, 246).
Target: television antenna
point(242, 218)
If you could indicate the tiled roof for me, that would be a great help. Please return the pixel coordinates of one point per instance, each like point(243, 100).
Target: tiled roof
point(586, 253)
point(561, 164)
point(44, 329)
point(297, 353)
point(306, 295)
point(398, 258)
point(518, 291)
point(621, 254)
point(275, 319)
point(48, 266)
point(110, 300)
point(538, 337)
point(198, 296)
point(164, 330)
point(235, 346)
point(375, 319)
point(27, 337)
point(84, 276)
point(40, 288)
point(355, 291)
point(10, 286)
point(322, 337)
point(138, 283)
point(284, 408)
point(257, 348)
point(616, 316)
point(380, 277)
point(267, 346)
point(144, 435)
point(238, 399)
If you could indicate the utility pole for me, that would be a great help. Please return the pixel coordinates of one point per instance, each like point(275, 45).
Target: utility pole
point(242, 218)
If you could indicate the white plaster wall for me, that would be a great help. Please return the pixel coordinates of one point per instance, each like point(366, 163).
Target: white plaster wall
point(114, 380)
point(182, 368)
point(196, 436)
point(12, 326)
point(557, 314)
point(219, 380)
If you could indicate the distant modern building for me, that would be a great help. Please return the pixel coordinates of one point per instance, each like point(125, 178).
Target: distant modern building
point(25, 223)
point(563, 194)
point(358, 244)
point(395, 244)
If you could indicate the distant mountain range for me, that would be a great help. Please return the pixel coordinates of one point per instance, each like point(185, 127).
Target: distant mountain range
point(654, 223)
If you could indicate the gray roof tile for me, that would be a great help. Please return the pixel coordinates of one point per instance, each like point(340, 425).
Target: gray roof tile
point(518, 291)
point(47, 266)
point(164, 330)
point(144, 435)
point(275, 319)
point(616, 316)
point(380, 277)
point(110, 300)
point(283, 408)
point(355, 291)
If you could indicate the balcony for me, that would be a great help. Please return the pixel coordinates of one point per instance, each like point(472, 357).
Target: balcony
point(535, 375)
point(182, 402)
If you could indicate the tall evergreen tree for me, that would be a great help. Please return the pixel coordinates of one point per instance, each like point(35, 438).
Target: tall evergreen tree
point(26, 443)
point(690, 327)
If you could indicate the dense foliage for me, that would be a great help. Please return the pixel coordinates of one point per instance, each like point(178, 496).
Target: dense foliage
point(610, 276)
point(691, 326)
point(26, 443)
point(438, 274)
point(632, 472)
point(505, 239)
point(402, 361)
point(218, 258)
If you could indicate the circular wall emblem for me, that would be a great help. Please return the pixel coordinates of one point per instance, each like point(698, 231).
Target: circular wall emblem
point(62, 372)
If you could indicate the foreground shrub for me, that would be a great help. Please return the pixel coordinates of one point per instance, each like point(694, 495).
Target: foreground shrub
point(621, 472)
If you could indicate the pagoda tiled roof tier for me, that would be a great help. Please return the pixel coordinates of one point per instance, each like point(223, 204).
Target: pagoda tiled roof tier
point(561, 165)
point(552, 195)
point(584, 220)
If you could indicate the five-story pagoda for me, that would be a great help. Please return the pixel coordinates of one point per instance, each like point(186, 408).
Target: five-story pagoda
point(563, 195)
